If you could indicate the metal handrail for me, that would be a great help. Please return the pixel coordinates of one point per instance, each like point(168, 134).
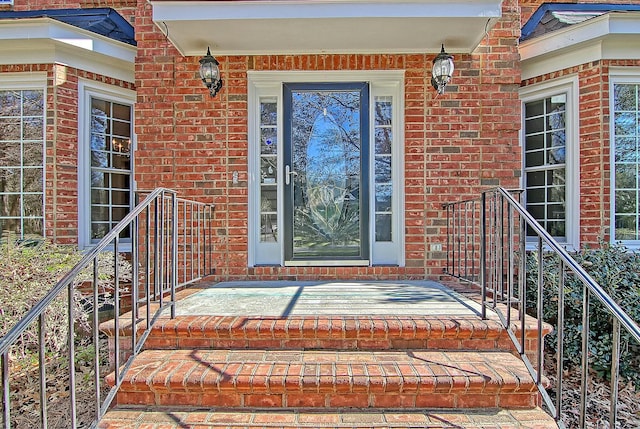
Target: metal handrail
point(169, 223)
point(481, 249)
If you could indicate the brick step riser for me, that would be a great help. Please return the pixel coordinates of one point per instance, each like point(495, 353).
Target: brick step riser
point(327, 333)
point(333, 401)
point(165, 342)
point(328, 379)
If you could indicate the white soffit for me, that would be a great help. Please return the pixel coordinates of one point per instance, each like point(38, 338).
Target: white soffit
point(252, 27)
point(615, 35)
point(48, 41)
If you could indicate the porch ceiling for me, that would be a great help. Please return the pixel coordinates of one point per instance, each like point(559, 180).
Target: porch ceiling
point(252, 27)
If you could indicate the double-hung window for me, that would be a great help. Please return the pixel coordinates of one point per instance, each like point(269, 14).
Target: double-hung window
point(625, 160)
point(22, 149)
point(106, 163)
point(549, 180)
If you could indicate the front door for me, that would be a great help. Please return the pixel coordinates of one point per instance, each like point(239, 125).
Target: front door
point(326, 173)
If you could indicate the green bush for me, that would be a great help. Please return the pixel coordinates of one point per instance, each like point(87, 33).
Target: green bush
point(617, 270)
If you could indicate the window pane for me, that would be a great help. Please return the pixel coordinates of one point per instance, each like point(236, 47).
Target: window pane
point(32, 103)
point(33, 129)
point(32, 154)
point(99, 230)
point(10, 205)
point(626, 149)
point(100, 213)
point(268, 113)
point(535, 125)
point(120, 181)
point(626, 228)
point(383, 141)
point(383, 111)
point(383, 227)
point(121, 162)
point(10, 103)
point(268, 141)
point(99, 196)
point(122, 111)
point(625, 97)
point(10, 129)
point(536, 178)
point(535, 108)
point(626, 202)
point(626, 175)
point(556, 229)
point(32, 180)
point(383, 198)
point(534, 142)
point(268, 169)
point(10, 155)
point(625, 124)
point(33, 227)
point(10, 180)
point(534, 159)
point(536, 195)
point(32, 205)
point(383, 169)
point(118, 213)
point(269, 228)
point(122, 129)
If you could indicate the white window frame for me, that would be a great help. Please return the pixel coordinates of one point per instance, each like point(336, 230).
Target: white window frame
point(269, 84)
point(627, 75)
point(33, 81)
point(570, 86)
point(86, 90)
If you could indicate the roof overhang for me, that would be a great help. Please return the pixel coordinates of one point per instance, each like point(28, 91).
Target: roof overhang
point(615, 35)
point(48, 41)
point(253, 27)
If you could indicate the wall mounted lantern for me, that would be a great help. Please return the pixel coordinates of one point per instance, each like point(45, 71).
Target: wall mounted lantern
point(210, 73)
point(442, 70)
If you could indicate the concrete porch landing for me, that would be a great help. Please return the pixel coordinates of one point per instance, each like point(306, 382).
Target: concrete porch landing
point(340, 298)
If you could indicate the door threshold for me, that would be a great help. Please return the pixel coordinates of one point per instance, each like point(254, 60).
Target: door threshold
point(328, 263)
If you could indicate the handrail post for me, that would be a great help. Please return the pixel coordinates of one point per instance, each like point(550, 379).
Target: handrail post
point(174, 253)
point(43, 372)
point(560, 343)
point(72, 356)
point(483, 253)
point(6, 405)
point(585, 357)
point(615, 372)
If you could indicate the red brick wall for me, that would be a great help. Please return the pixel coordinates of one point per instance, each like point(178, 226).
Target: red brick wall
point(455, 144)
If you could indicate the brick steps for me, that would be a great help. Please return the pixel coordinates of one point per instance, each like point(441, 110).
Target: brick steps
point(326, 371)
point(177, 418)
point(326, 332)
point(331, 379)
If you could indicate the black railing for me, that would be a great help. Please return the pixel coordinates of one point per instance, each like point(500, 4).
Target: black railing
point(168, 242)
point(488, 242)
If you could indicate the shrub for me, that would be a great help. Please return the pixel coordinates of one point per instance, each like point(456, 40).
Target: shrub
point(28, 271)
point(617, 270)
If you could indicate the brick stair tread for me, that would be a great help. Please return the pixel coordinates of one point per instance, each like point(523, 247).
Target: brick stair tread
point(176, 418)
point(337, 332)
point(325, 378)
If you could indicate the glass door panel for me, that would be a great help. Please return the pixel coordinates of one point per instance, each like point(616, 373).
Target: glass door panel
point(326, 171)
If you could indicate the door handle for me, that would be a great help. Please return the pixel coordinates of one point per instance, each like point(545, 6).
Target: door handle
point(287, 174)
